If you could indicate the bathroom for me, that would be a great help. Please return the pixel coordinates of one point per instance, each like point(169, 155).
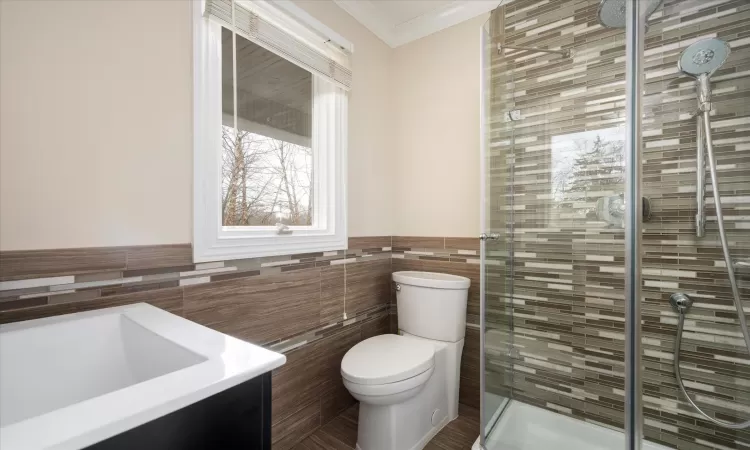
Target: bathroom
point(495, 201)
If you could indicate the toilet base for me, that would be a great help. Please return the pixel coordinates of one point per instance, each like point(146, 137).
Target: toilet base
point(405, 432)
point(411, 424)
point(423, 442)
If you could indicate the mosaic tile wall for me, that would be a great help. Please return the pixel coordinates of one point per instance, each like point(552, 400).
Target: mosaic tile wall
point(293, 304)
point(566, 278)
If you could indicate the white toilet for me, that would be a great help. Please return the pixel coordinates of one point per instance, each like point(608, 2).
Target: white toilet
point(407, 384)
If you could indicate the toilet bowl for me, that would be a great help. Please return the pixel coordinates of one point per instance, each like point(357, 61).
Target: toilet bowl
point(407, 384)
point(387, 369)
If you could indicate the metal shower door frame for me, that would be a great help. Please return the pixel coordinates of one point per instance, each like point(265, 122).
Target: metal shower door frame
point(634, 50)
point(483, 225)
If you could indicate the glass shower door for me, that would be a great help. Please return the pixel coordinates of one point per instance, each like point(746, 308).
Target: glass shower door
point(554, 170)
point(496, 305)
point(616, 269)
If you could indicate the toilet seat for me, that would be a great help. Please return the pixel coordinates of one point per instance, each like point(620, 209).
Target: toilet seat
point(388, 359)
point(390, 392)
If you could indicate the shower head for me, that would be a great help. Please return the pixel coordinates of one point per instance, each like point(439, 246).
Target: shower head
point(612, 12)
point(703, 57)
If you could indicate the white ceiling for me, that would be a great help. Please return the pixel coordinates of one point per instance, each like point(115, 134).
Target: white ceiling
point(398, 22)
point(404, 10)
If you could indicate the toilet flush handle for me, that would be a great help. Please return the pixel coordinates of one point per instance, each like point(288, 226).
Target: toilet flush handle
point(398, 287)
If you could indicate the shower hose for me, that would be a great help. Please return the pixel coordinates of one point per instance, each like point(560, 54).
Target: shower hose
point(732, 281)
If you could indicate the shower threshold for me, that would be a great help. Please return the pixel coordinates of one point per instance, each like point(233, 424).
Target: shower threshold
point(527, 427)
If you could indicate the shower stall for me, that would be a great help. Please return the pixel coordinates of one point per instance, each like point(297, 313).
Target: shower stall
point(616, 225)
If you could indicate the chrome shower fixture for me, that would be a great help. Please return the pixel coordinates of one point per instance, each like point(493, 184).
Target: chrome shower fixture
point(612, 12)
point(701, 60)
point(704, 57)
point(611, 209)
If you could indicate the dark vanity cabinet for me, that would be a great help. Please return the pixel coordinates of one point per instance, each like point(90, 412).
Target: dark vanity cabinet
point(237, 418)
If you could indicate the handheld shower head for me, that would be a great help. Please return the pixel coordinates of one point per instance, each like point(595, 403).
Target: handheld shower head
point(703, 57)
point(612, 12)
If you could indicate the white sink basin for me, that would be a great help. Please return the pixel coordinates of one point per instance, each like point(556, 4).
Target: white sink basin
point(70, 381)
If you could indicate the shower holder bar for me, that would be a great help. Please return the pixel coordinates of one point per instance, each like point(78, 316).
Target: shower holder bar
point(566, 53)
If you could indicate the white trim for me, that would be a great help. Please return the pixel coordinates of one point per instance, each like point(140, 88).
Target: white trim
point(304, 17)
point(396, 34)
point(211, 241)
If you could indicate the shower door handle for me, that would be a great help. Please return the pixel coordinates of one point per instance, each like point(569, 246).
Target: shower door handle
point(489, 236)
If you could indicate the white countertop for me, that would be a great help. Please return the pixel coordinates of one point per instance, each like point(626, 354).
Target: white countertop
point(67, 382)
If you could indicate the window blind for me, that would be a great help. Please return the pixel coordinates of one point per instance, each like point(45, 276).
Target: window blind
point(307, 52)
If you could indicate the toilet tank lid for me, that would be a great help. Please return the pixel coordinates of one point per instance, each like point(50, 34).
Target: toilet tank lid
point(431, 280)
point(387, 358)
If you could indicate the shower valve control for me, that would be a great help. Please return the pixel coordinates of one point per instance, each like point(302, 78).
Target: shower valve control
point(513, 115)
point(680, 302)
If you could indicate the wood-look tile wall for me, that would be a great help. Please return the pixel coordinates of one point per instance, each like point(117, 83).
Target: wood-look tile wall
point(294, 304)
point(307, 390)
point(17, 265)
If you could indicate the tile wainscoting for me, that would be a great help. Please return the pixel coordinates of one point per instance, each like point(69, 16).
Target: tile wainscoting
point(294, 304)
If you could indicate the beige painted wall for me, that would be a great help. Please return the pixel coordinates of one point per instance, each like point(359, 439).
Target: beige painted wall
point(95, 120)
point(96, 126)
point(436, 111)
point(96, 141)
point(370, 141)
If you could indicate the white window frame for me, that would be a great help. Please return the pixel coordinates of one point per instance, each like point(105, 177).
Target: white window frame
point(211, 240)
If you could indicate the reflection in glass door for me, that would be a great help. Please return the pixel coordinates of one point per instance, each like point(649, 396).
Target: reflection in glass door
point(556, 181)
point(496, 310)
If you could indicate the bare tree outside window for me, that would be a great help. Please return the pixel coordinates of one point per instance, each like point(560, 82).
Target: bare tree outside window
point(265, 180)
point(267, 163)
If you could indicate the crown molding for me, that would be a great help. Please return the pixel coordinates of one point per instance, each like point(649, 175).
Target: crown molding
point(367, 13)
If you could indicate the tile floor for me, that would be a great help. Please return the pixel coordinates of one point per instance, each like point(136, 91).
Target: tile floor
point(341, 432)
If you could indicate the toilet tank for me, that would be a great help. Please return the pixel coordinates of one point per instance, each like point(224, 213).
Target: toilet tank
point(432, 305)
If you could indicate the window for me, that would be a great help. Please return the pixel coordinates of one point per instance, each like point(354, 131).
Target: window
point(270, 131)
point(267, 163)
